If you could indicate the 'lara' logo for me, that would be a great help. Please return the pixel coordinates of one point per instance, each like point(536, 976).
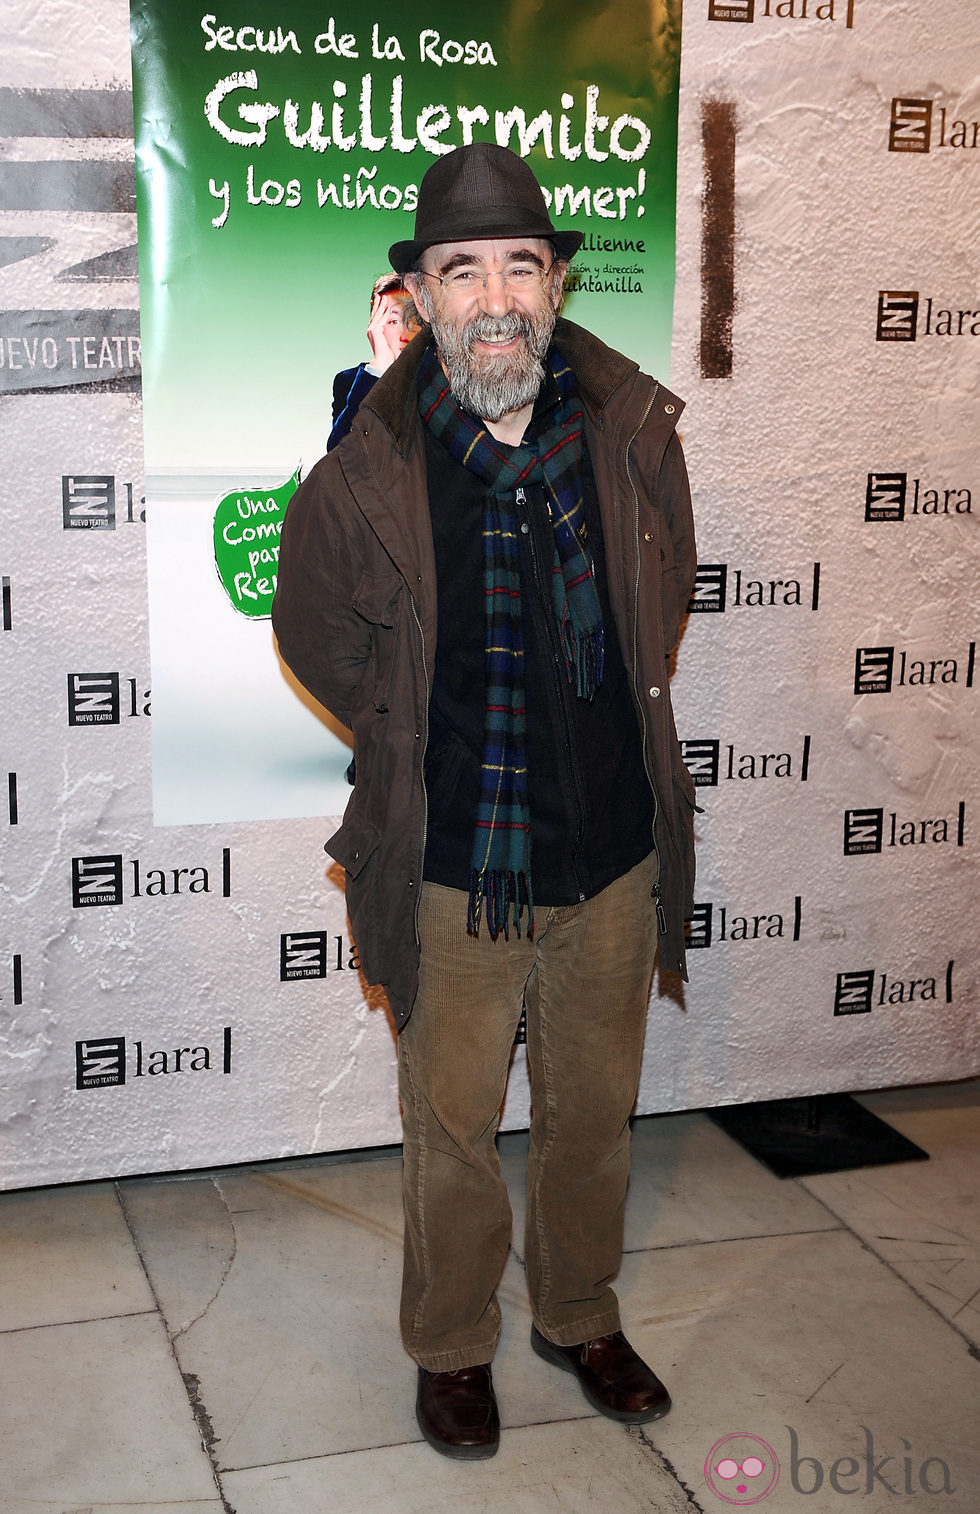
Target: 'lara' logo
point(887, 496)
point(94, 699)
point(858, 993)
point(874, 670)
point(103, 1062)
point(910, 128)
point(697, 928)
point(100, 1063)
point(702, 759)
point(712, 584)
point(782, 10)
point(731, 10)
point(708, 761)
point(898, 315)
point(710, 589)
point(88, 502)
point(303, 954)
point(98, 881)
point(873, 830)
point(944, 320)
point(863, 830)
point(708, 925)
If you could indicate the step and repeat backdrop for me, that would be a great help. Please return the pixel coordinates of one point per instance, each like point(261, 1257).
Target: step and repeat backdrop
point(178, 986)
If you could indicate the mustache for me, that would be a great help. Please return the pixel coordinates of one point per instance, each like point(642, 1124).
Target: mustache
point(489, 328)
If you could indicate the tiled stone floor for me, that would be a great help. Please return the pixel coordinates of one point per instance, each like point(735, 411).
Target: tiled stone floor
point(228, 1341)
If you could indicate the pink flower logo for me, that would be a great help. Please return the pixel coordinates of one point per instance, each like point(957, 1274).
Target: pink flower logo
point(742, 1469)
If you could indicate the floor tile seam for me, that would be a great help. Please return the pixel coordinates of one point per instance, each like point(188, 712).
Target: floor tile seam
point(638, 1433)
point(314, 1160)
point(225, 1271)
point(971, 1345)
point(400, 1445)
point(198, 1411)
point(729, 1240)
point(62, 1324)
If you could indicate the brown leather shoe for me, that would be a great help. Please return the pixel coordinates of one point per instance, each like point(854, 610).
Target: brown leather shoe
point(613, 1378)
point(457, 1412)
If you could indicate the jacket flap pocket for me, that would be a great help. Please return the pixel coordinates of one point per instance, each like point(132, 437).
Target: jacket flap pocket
point(684, 781)
point(353, 844)
point(375, 598)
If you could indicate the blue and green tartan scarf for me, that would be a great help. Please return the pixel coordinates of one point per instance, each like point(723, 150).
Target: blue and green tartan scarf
point(551, 454)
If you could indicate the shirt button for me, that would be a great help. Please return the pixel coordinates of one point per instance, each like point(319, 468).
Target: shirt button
point(525, 527)
point(655, 692)
point(648, 536)
point(669, 409)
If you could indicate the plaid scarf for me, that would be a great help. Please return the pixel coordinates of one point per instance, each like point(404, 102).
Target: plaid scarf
point(551, 454)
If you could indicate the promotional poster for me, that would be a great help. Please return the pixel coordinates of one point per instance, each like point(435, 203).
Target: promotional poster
point(279, 153)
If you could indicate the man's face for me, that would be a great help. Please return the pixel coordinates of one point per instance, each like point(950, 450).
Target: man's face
point(491, 342)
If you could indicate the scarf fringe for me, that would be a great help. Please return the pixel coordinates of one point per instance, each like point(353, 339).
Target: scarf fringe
point(585, 655)
point(508, 898)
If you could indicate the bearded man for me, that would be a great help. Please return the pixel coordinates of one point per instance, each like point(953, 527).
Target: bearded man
point(484, 582)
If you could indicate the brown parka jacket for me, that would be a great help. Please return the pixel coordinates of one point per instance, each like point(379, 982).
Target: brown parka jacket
point(355, 618)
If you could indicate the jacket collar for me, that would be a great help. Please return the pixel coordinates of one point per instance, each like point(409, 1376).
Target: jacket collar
point(598, 369)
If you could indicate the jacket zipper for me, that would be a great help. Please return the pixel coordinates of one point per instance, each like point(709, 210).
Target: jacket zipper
point(655, 891)
point(556, 657)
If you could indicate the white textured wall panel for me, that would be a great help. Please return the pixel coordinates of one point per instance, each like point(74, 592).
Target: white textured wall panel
point(838, 839)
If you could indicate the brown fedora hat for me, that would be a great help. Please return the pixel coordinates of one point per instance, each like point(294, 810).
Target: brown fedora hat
point(475, 193)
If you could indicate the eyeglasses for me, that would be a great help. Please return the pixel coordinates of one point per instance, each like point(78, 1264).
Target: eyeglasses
point(468, 280)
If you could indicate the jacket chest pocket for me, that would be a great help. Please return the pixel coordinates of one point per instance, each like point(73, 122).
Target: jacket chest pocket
point(377, 602)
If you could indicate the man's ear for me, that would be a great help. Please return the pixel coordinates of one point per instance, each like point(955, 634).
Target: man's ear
point(411, 282)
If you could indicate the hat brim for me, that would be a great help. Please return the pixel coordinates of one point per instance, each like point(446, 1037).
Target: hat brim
point(477, 227)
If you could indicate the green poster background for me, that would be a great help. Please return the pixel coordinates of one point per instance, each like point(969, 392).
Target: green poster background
point(279, 147)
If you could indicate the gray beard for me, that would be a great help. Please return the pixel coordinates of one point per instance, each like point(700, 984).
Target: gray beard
point(490, 387)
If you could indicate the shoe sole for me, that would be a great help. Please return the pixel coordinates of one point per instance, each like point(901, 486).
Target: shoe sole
point(551, 1353)
point(457, 1453)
